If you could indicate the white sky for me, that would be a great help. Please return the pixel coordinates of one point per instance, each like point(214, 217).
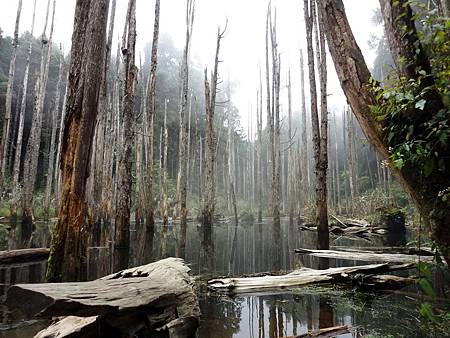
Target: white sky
point(242, 49)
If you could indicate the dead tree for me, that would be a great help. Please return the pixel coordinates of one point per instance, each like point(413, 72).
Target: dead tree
point(319, 132)
point(164, 188)
point(54, 125)
point(17, 157)
point(290, 183)
point(304, 147)
point(209, 194)
point(68, 259)
point(34, 139)
point(183, 139)
point(259, 148)
point(355, 79)
point(151, 110)
point(124, 179)
point(8, 100)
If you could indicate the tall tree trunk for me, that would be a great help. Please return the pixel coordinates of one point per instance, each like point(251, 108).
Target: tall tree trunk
point(322, 208)
point(319, 133)
point(68, 254)
point(8, 100)
point(182, 173)
point(355, 80)
point(164, 199)
point(304, 147)
point(34, 140)
point(338, 184)
point(54, 125)
point(16, 190)
point(211, 144)
point(124, 179)
point(290, 181)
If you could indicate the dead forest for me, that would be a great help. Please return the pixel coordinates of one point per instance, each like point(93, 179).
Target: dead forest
point(135, 180)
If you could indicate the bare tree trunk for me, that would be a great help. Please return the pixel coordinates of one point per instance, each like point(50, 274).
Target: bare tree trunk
point(290, 182)
point(57, 172)
point(123, 202)
point(211, 143)
point(68, 252)
point(8, 100)
point(304, 152)
point(34, 140)
point(164, 201)
point(182, 173)
point(338, 184)
point(16, 190)
point(319, 134)
point(151, 110)
point(54, 122)
point(322, 208)
point(259, 152)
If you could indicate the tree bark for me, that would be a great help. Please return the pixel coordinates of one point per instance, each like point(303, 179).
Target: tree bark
point(124, 179)
point(8, 100)
point(68, 256)
point(304, 152)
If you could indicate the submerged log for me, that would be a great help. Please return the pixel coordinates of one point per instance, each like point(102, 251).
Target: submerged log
point(324, 333)
point(366, 256)
point(299, 277)
point(150, 298)
point(23, 256)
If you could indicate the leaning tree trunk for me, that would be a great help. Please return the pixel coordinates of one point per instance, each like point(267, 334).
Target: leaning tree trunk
point(356, 82)
point(17, 157)
point(34, 140)
point(8, 100)
point(68, 255)
point(124, 180)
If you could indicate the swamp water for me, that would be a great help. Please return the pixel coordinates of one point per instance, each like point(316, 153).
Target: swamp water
point(263, 315)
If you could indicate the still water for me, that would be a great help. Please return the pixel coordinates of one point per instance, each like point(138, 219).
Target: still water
point(265, 315)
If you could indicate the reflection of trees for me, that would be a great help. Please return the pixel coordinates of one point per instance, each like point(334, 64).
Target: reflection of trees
point(221, 317)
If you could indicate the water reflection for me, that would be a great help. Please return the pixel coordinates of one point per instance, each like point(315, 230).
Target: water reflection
point(248, 249)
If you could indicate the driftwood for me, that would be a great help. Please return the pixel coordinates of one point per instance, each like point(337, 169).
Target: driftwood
point(365, 256)
point(324, 333)
point(425, 251)
point(23, 256)
point(150, 298)
point(300, 277)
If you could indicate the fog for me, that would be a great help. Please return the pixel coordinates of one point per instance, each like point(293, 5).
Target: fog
point(242, 51)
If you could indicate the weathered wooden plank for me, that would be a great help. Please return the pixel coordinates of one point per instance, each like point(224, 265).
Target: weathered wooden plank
point(365, 256)
point(23, 256)
point(161, 293)
point(299, 277)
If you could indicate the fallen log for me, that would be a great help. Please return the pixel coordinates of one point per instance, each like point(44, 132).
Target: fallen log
point(23, 256)
point(299, 277)
point(365, 256)
point(150, 298)
point(425, 251)
point(324, 333)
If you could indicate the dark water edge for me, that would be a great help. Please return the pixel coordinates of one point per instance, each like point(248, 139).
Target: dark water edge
point(274, 314)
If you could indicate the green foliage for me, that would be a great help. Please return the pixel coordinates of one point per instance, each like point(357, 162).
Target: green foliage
point(416, 138)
